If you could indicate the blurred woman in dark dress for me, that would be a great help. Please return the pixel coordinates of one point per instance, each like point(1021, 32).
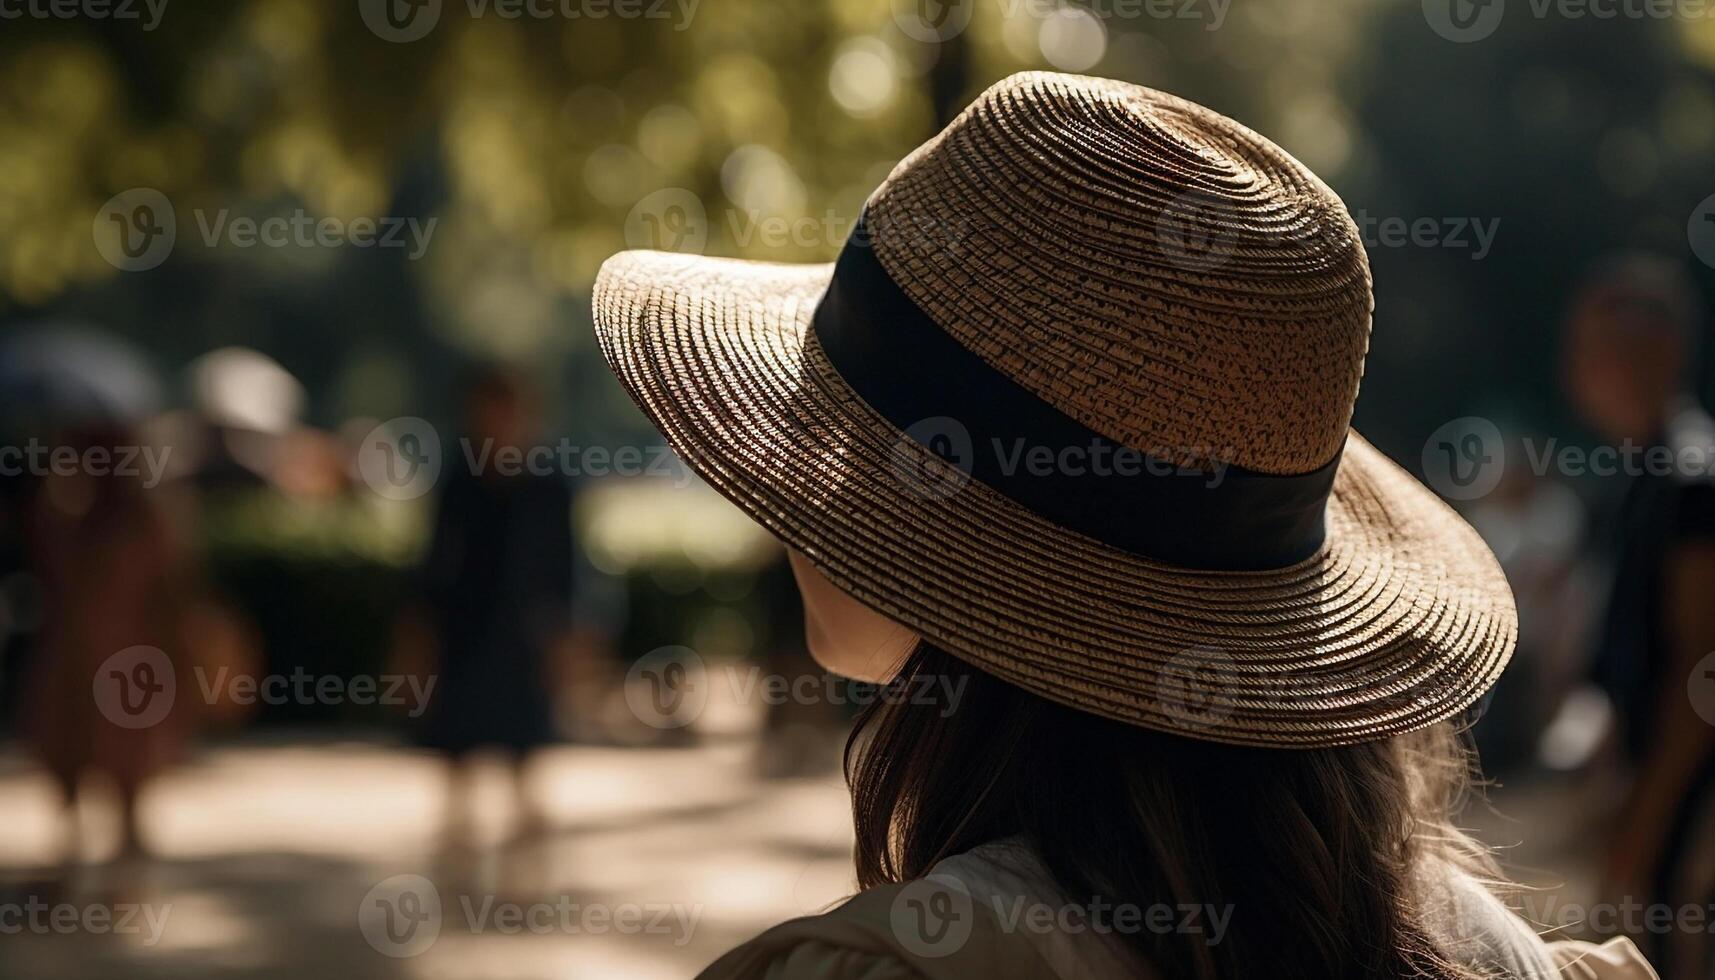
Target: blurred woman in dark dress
point(497, 585)
point(1632, 336)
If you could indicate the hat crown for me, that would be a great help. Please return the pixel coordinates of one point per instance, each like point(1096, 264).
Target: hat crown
point(1149, 267)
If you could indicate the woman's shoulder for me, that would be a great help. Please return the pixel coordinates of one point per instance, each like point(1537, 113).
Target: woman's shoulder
point(806, 958)
point(1616, 959)
point(970, 916)
point(1481, 932)
point(931, 928)
point(993, 911)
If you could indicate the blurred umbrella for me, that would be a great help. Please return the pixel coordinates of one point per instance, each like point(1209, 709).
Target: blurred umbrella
point(59, 373)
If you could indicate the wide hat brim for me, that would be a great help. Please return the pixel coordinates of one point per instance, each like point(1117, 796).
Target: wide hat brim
point(1402, 619)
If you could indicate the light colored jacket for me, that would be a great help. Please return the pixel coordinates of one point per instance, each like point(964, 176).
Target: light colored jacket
point(993, 913)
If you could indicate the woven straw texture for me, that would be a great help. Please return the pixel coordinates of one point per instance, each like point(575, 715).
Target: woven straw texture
point(1047, 229)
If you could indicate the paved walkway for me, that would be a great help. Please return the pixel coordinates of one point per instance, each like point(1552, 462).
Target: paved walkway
point(656, 860)
point(281, 859)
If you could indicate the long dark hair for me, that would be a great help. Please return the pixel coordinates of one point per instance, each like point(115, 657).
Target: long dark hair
point(1317, 853)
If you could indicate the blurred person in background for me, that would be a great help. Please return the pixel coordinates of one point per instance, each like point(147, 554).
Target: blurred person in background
point(1631, 345)
point(113, 565)
point(1535, 525)
point(496, 594)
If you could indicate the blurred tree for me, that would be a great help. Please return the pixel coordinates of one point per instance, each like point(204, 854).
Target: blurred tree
point(1579, 136)
point(536, 144)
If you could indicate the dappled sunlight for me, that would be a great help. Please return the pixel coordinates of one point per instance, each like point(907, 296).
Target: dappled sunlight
point(254, 843)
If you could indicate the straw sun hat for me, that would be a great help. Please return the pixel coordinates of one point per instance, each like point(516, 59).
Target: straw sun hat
point(1074, 404)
